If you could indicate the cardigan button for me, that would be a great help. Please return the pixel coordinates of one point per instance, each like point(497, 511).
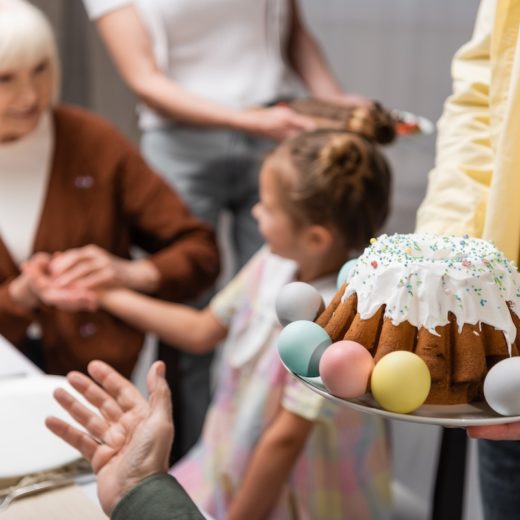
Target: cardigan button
point(87, 330)
point(83, 182)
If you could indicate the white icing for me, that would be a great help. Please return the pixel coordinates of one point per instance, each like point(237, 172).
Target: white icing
point(422, 277)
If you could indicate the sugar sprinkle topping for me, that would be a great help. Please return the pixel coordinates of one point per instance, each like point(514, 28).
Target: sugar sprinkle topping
point(422, 277)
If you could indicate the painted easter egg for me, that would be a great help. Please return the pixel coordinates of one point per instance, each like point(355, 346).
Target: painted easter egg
point(298, 301)
point(301, 345)
point(345, 369)
point(344, 272)
point(400, 382)
point(502, 386)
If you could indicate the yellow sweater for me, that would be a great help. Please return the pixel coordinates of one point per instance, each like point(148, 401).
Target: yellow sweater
point(475, 185)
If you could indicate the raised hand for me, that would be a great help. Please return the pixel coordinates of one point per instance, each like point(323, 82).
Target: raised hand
point(131, 437)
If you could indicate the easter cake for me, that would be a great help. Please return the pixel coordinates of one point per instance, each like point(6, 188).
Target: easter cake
point(452, 301)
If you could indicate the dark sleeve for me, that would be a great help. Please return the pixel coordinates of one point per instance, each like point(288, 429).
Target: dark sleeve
point(182, 247)
point(159, 497)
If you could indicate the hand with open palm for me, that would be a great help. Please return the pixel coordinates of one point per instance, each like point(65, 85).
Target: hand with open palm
point(131, 437)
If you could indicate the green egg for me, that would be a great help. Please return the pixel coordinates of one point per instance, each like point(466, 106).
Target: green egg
point(344, 272)
point(300, 345)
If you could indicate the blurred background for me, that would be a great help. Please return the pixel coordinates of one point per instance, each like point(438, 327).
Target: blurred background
point(395, 51)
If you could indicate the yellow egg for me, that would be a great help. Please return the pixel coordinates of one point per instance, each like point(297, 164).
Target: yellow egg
point(400, 382)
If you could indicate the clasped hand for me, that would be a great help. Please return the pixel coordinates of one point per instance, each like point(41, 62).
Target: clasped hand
point(71, 280)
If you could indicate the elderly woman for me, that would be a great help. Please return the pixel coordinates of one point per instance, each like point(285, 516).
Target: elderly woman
point(75, 198)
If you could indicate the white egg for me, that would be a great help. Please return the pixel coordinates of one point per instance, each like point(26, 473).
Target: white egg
point(502, 387)
point(298, 301)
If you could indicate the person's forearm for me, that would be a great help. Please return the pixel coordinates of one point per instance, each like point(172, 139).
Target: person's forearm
point(185, 327)
point(164, 95)
point(129, 44)
point(270, 467)
point(173, 503)
point(140, 275)
point(308, 61)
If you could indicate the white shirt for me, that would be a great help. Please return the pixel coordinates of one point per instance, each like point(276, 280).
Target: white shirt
point(24, 173)
point(227, 51)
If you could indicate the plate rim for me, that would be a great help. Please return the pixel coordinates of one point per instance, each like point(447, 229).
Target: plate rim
point(456, 422)
point(50, 381)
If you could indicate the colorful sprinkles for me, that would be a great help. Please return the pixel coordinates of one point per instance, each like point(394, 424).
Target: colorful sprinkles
point(422, 277)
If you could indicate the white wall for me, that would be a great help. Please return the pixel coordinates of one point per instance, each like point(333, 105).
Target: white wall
point(399, 52)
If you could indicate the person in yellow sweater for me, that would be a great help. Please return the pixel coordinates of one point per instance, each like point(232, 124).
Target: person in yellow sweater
point(474, 189)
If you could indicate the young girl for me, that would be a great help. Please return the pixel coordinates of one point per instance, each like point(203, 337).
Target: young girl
point(271, 448)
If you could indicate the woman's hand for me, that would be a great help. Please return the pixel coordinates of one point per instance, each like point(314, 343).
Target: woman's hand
point(91, 267)
point(130, 440)
point(37, 277)
point(24, 289)
point(71, 280)
point(276, 122)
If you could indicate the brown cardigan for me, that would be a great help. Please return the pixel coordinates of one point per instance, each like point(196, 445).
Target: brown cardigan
point(101, 192)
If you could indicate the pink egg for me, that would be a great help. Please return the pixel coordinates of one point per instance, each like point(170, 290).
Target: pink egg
point(345, 369)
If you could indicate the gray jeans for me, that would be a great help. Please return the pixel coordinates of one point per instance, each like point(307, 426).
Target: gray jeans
point(499, 471)
point(213, 170)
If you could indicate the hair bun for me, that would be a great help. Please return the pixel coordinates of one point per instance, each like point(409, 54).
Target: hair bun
point(341, 154)
point(373, 122)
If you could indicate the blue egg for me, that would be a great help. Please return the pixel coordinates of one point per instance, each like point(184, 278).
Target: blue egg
point(301, 345)
point(345, 271)
point(298, 301)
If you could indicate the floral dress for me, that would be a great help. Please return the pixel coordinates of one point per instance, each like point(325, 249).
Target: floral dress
point(343, 470)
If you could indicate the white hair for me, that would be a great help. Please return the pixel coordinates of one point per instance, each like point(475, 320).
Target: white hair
point(26, 38)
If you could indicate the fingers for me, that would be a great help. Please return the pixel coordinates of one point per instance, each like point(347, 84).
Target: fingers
point(36, 269)
point(300, 122)
point(160, 396)
point(41, 283)
point(83, 267)
point(41, 259)
point(97, 454)
point(498, 432)
point(71, 299)
point(119, 388)
point(64, 261)
point(160, 403)
point(85, 444)
point(294, 122)
point(96, 278)
point(75, 265)
point(96, 426)
point(155, 375)
point(96, 396)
